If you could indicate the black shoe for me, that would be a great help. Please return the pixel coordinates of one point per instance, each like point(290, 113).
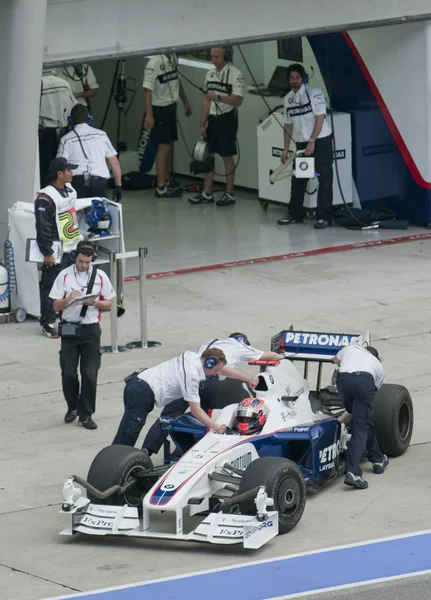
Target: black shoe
point(202, 198)
point(50, 331)
point(226, 200)
point(70, 416)
point(288, 221)
point(322, 224)
point(355, 481)
point(380, 467)
point(88, 423)
point(167, 192)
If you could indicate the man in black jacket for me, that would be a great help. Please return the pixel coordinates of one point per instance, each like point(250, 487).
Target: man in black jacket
point(55, 222)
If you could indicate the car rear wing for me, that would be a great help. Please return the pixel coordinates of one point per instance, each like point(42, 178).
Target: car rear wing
point(313, 345)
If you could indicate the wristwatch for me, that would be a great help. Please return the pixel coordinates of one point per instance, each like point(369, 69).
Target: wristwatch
point(312, 141)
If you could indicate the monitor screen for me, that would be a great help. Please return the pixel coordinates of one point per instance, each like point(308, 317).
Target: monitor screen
point(290, 49)
point(279, 82)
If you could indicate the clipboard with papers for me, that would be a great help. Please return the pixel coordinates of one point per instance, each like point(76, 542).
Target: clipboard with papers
point(33, 253)
point(83, 300)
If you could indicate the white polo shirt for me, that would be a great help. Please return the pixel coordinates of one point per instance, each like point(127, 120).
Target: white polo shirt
point(161, 77)
point(237, 353)
point(357, 358)
point(227, 82)
point(56, 102)
point(71, 279)
point(80, 81)
point(176, 378)
point(88, 148)
point(302, 108)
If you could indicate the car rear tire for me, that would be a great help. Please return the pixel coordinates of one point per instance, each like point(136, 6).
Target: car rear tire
point(115, 465)
point(393, 419)
point(284, 483)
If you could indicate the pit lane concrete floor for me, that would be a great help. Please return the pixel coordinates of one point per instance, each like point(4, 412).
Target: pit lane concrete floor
point(386, 289)
point(180, 236)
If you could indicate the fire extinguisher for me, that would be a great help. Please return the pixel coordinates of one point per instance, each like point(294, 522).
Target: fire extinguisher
point(4, 291)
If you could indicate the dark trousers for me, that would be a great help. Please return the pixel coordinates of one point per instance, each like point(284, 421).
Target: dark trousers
point(85, 351)
point(323, 166)
point(48, 276)
point(138, 400)
point(357, 393)
point(49, 138)
point(98, 187)
point(156, 435)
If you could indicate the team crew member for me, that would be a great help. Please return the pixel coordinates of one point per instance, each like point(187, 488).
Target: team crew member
point(224, 88)
point(179, 377)
point(305, 109)
point(162, 88)
point(55, 221)
point(80, 332)
point(56, 102)
point(82, 80)
point(238, 351)
point(360, 376)
point(90, 149)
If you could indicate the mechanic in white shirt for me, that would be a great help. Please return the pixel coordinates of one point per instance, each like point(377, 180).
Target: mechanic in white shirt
point(56, 102)
point(80, 332)
point(82, 80)
point(360, 375)
point(237, 351)
point(162, 88)
point(91, 150)
point(179, 377)
point(305, 110)
point(224, 86)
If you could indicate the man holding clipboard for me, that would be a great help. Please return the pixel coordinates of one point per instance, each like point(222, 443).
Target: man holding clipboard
point(80, 293)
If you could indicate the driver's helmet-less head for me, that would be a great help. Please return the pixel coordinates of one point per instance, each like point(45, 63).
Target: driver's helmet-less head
point(251, 415)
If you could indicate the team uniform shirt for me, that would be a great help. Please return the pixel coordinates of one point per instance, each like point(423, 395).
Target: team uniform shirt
point(88, 148)
point(176, 378)
point(80, 80)
point(71, 279)
point(357, 358)
point(302, 108)
point(161, 77)
point(237, 353)
point(227, 82)
point(56, 102)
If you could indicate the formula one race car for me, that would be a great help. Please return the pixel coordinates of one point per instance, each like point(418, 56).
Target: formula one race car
point(232, 479)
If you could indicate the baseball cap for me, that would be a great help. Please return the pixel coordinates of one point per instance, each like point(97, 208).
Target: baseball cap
point(60, 164)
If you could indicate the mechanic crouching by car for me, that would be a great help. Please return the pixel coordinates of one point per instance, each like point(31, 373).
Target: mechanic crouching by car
point(238, 351)
point(158, 386)
point(360, 375)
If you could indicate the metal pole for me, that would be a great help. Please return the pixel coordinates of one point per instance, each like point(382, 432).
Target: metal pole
point(114, 348)
point(143, 342)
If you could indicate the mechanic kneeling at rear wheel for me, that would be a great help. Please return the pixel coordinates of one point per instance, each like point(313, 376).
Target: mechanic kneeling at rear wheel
point(360, 376)
point(176, 378)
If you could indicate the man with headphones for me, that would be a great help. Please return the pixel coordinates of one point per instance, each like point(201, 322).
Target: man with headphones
point(237, 351)
point(90, 149)
point(224, 86)
point(162, 89)
point(161, 385)
point(80, 331)
point(305, 110)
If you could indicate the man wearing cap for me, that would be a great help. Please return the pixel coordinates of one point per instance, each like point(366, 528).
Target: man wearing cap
point(55, 222)
point(238, 351)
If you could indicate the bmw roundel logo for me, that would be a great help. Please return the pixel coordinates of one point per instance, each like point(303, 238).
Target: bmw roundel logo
point(169, 486)
point(290, 100)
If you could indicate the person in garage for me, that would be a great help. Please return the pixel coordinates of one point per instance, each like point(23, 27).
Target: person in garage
point(224, 87)
point(92, 151)
point(56, 221)
point(158, 386)
point(305, 110)
point(360, 375)
point(162, 89)
point(82, 81)
point(238, 351)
